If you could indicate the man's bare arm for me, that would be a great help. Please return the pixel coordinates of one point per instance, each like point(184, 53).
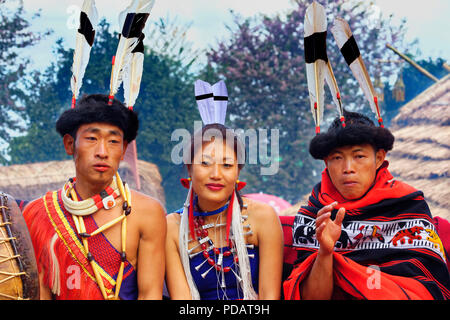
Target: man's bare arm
point(151, 251)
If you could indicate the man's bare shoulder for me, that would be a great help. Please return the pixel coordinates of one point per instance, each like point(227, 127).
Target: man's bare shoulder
point(148, 214)
point(146, 207)
point(143, 201)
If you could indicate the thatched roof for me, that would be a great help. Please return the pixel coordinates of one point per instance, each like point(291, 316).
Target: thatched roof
point(30, 181)
point(421, 154)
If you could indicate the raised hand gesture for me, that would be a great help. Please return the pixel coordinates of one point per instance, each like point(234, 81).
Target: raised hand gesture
point(327, 230)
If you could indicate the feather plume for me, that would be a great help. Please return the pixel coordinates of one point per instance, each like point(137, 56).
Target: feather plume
point(131, 86)
point(212, 101)
point(205, 101)
point(84, 42)
point(220, 98)
point(349, 49)
point(334, 89)
point(315, 29)
point(132, 20)
point(133, 74)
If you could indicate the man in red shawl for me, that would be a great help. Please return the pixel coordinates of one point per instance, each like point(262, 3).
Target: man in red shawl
point(95, 238)
point(364, 235)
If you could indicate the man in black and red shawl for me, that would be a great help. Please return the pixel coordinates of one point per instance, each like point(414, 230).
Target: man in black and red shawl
point(364, 235)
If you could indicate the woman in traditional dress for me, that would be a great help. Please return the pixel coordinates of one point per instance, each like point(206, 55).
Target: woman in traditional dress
point(221, 245)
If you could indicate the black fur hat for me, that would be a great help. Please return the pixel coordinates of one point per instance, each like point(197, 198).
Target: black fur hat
point(94, 108)
point(359, 129)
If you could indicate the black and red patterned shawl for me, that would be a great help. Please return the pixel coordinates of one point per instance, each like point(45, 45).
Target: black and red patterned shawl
point(388, 249)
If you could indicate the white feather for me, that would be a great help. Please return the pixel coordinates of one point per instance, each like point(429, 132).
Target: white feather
point(82, 49)
point(315, 21)
point(122, 59)
point(146, 6)
point(136, 6)
point(313, 96)
point(80, 61)
point(334, 89)
point(132, 78)
point(342, 32)
point(205, 106)
point(124, 53)
point(220, 106)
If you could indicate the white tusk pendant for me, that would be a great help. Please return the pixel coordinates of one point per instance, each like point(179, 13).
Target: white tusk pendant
point(206, 272)
point(200, 265)
point(237, 277)
point(222, 285)
point(194, 254)
point(193, 248)
point(220, 225)
point(220, 259)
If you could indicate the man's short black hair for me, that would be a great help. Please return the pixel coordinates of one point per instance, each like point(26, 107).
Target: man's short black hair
point(94, 108)
point(359, 130)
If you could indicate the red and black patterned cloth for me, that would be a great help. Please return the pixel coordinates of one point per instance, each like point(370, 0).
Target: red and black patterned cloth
point(61, 257)
point(388, 248)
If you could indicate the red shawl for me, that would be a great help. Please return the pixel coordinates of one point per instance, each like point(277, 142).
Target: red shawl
point(388, 248)
point(61, 256)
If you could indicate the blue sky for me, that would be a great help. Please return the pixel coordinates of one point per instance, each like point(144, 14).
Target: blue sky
point(429, 23)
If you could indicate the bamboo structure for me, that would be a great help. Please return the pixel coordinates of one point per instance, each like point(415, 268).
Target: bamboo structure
point(411, 62)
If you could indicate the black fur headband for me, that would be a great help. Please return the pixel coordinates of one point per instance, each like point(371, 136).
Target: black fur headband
point(359, 129)
point(94, 108)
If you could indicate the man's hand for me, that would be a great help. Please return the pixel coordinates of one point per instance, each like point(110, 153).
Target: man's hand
point(319, 283)
point(327, 230)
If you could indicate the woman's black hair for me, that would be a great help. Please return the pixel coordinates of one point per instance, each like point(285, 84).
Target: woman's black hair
point(359, 130)
point(94, 108)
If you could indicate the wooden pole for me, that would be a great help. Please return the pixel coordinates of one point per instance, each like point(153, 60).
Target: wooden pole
point(415, 65)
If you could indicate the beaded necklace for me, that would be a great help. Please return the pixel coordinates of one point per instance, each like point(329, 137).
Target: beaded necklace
point(87, 205)
point(104, 199)
point(206, 244)
point(208, 213)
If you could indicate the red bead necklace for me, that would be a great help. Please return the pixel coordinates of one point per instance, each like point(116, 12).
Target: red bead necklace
point(203, 238)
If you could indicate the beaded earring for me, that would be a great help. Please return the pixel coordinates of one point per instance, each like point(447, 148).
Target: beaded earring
point(185, 182)
point(240, 185)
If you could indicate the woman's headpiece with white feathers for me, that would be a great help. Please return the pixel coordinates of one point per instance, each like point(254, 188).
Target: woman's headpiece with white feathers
point(212, 101)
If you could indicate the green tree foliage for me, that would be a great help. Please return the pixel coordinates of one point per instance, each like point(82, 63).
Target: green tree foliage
point(166, 102)
point(43, 107)
point(14, 36)
point(263, 65)
point(264, 69)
